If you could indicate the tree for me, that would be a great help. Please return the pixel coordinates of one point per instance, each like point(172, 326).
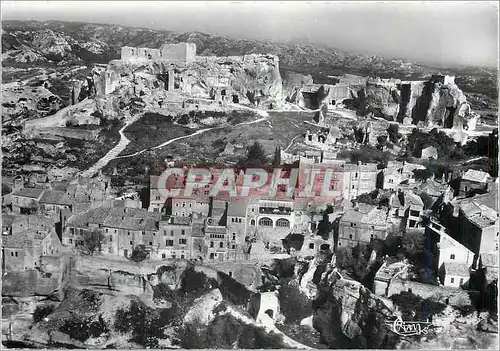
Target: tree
point(256, 155)
point(92, 242)
point(139, 253)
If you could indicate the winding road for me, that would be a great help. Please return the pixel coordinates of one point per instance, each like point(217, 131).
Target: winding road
point(124, 141)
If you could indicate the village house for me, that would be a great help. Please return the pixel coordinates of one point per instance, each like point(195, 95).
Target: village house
point(123, 229)
point(389, 270)
point(25, 201)
point(26, 240)
point(478, 227)
point(271, 218)
point(362, 225)
point(429, 152)
point(53, 201)
point(237, 223)
point(217, 238)
point(176, 232)
point(399, 173)
point(488, 261)
point(473, 181)
point(454, 259)
point(359, 179)
point(455, 275)
point(406, 209)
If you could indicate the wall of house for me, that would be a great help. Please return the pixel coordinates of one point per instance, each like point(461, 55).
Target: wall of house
point(489, 238)
point(461, 255)
point(454, 281)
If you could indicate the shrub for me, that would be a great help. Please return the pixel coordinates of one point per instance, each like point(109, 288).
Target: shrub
point(41, 312)
point(293, 304)
point(195, 283)
point(415, 308)
point(139, 253)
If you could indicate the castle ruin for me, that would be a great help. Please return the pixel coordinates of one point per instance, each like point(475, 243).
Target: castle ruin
point(181, 52)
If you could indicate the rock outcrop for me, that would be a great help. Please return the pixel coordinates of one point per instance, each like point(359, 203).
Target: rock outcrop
point(436, 102)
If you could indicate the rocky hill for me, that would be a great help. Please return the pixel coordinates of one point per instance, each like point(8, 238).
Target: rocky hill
point(67, 43)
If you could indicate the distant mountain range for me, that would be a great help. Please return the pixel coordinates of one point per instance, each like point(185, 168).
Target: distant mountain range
point(86, 43)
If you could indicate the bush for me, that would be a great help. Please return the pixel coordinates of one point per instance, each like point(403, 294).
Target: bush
point(41, 312)
point(82, 329)
point(139, 253)
point(415, 308)
point(293, 304)
point(195, 283)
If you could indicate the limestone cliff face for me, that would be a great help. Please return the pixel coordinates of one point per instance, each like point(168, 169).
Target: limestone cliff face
point(436, 102)
point(381, 99)
point(250, 79)
point(351, 311)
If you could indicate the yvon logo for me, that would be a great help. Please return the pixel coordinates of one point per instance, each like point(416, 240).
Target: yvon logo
point(403, 328)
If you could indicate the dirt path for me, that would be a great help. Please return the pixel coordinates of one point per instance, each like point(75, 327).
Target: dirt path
point(124, 141)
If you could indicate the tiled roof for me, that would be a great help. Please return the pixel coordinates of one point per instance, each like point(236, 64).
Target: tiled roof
point(352, 216)
point(489, 259)
point(413, 199)
point(476, 176)
point(26, 239)
point(375, 217)
point(480, 215)
point(34, 193)
point(447, 241)
point(122, 218)
point(55, 197)
point(458, 269)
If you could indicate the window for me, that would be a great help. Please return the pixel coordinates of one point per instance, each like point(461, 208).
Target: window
point(284, 223)
point(150, 243)
point(182, 256)
point(452, 256)
point(71, 241)
point(176, 204)
point(452, 280)
point(232, 219)
point(239, 220)
point(356, 175)
point(340, 244)
point(350, 236)
point(266, 222)
point(173, 256)
point(171, 233)
point(212, 255)
point(169, 243)
point(72, 231)
point(252, 222)
point(183, 232)
point(12, 254)
point(230, 274)
point(182, 241)
point(131, 242)
point(163, 255)
point(183, 204)
point(106, 230)
point(353, 225)
point(110, 239)
point(234, 236)
point(233, 246)
point(221, 244)
point(143, 232)
point(211, 244)
point(128, 233)
point(311, 246)
point(371, 237)
point(461, 281)
point(156, 209)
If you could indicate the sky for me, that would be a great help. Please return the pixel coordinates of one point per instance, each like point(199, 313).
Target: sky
point(442, 33)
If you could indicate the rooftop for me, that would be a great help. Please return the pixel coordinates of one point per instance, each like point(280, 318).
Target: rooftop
point(33, 193)
point(122, 218)
point(237, 209)
point(473, 175)
point(55, 197)
point(479, 214)
point(458, 269)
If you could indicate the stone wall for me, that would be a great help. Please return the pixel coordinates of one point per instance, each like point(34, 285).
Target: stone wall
point(180, 52)
point(434, 292)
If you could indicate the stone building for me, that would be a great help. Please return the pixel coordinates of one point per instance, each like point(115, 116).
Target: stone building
point(362, 225)
point(180, 52)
